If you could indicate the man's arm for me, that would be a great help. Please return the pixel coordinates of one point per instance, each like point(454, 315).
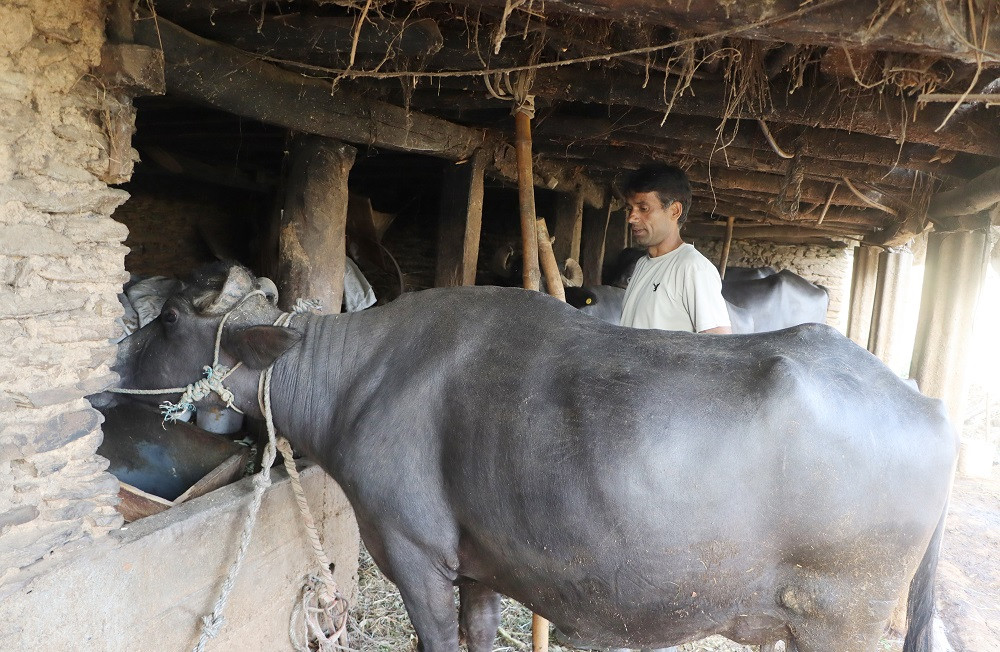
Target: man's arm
point(718, 330)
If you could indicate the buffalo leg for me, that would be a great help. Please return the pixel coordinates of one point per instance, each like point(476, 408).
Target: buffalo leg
point(479, 614)
point(428, 591)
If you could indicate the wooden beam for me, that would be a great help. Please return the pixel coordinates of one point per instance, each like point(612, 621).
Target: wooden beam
point(977, 195)
point(232, 80)
point(870, 113)
point(317, 39)
point(132, 69)
point(859, 220)
point(617, 237)
point(866, 24)
point(747, 153)
point(229, 79)
point(313, 223)
point(595, 229)
point(756, 232)
point(569, 226)
point(460, 222)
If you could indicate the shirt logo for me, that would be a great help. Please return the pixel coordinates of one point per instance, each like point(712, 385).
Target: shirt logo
point(655, 285)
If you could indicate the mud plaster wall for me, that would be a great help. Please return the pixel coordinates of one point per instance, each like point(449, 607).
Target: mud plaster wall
point(61, 265)
point(822, 265)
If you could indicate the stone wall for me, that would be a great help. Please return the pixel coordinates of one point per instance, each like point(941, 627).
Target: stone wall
point(826, 266)
point(61, 265)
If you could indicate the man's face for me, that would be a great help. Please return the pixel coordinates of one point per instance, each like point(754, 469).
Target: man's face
point(651, 221)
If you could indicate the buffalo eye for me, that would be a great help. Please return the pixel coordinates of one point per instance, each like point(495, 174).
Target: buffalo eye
point(169, 316)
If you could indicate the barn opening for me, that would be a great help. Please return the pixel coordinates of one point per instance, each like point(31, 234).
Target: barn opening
point(823, 145)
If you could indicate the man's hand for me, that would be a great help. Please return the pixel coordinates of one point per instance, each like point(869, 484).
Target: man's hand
point(718, 330)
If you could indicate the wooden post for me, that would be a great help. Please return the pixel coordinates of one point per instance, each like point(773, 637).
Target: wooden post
point(311, 247)
point(953, 278)
point(859, 311)
point(526, 193)
point(539, 634)
point(595, 228)
point(550, 268)
point(569, 226)
point(460, 222)
point(726, 244)
point(889, 293)
point(617, 237)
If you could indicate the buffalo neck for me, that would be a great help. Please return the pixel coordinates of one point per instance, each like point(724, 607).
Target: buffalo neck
point(308, 383)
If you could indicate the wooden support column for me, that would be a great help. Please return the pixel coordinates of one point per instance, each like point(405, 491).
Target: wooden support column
point(617, 236)
point(569, 226)
point(311, 248)
point(859, 311)
point(726, 246)
point(460, 222)
point(890, 289)
point(595, 229)
point(547, 260)
point(953, 279)
point(530, 275)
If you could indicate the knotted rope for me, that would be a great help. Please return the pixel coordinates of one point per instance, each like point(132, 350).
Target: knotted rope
point(321, 607)
point(199, 389)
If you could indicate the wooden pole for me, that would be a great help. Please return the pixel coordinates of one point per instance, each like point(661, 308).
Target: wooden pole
point(539, 634)
point(530, 277)
point(460, 222)
point(526, 193)
point(311, 256)
point(547, 258)
point(727, 243)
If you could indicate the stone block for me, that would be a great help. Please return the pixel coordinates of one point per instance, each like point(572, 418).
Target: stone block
point(18, 516)
point(16, 29)
point(61, 430)
point(64, 510)
point(30, 240)
point(23, 544)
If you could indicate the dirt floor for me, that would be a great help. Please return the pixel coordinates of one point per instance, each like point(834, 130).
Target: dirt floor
point(969, 571)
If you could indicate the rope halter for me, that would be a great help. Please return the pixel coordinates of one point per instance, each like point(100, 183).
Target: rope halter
point(203, 387)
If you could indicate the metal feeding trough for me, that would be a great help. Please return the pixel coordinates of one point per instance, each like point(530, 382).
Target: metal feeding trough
point(160, 467)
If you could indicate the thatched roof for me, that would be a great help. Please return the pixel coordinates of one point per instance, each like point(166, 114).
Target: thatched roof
point(824, 118)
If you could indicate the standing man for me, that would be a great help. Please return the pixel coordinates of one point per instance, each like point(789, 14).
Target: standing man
point(674, 287)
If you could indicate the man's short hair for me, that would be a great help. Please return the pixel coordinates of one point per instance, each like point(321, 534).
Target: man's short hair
point(669, 182)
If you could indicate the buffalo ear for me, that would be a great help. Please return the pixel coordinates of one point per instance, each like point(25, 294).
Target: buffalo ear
point(259, 346)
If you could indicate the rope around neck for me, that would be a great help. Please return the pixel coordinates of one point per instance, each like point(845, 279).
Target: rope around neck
point(321, 607)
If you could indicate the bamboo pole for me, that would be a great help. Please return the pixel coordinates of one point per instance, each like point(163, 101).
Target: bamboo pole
point(539, 634)
point(526, 194)
point(547, 259)
point(726, 245)
point(530, 278)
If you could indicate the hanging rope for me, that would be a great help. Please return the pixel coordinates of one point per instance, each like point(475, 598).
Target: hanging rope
point(789, 198)
point(321, 607)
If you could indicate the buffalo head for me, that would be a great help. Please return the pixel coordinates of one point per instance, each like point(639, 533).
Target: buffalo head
point(173, 350)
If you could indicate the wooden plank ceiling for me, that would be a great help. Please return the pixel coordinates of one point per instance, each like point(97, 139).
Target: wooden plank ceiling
point(796, 118)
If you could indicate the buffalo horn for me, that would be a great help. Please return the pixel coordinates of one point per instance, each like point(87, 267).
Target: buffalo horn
point(238, 284)
point(269, 289)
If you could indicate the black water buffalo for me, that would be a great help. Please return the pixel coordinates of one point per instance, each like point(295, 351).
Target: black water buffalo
point(605, 302)
point(778, 300)
point(636, 487)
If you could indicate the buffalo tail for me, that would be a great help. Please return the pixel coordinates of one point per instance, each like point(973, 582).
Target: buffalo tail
point(920, 600)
